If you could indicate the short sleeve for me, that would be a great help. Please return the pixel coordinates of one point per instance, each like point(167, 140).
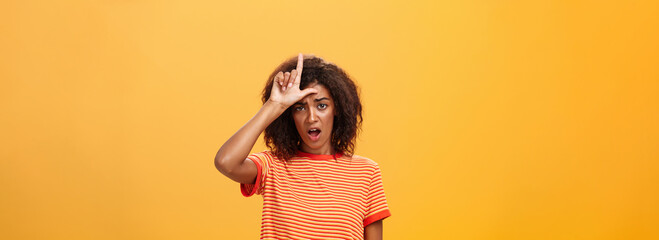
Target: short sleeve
point(261, 160)
point(376, 202)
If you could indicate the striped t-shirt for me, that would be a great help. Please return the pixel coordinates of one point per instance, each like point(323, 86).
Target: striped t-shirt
point(317, 196)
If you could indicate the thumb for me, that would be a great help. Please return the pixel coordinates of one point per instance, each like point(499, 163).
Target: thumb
point(308, 91)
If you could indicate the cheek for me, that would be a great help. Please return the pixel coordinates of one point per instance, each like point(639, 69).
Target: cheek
point(328, 119)
point(298, 120)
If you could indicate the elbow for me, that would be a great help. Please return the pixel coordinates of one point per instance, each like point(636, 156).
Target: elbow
point(222, 166)
point(218, 164)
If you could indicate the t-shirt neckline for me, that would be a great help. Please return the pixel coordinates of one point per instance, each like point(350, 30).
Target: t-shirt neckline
point(318, 156)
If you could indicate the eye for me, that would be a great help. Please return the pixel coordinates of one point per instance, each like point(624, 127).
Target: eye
point(300, 108)
point(322, 106)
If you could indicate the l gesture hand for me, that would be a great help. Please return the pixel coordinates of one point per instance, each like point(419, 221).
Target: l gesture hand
point(286, 87)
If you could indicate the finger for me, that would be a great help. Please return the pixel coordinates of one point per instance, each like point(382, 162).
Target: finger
point(293, 77)
point(300, 63)
point(287, 77)
point(278, 78)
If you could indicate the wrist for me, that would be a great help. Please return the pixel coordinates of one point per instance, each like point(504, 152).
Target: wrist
point(276, 105)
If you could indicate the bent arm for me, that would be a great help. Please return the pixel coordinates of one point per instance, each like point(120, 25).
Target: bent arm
point(231, 160)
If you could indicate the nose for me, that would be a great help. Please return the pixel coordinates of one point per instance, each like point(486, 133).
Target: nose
point(313, 116)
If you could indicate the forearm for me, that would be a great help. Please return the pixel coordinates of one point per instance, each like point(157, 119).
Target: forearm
point(234, 151)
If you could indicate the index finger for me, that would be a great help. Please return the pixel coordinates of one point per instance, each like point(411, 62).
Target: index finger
point(300, 62)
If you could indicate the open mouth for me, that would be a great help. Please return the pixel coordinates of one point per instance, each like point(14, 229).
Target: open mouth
point(314, 134)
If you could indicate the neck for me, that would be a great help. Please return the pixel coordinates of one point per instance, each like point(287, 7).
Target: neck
point(324, 150)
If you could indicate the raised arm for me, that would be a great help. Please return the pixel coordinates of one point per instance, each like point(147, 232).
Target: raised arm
point(231, 160)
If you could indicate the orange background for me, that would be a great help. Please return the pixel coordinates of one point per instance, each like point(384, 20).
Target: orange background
point(489, 119)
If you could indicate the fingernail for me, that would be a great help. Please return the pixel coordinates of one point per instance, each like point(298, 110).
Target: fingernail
point(290, 84)
point(284, 89)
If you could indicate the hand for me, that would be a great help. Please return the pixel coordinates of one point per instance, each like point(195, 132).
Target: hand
point(286, 87)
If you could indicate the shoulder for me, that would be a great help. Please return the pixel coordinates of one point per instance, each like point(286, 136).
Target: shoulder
point(364, 160)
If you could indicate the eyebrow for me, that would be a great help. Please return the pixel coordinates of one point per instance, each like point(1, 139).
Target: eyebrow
point(317, 100)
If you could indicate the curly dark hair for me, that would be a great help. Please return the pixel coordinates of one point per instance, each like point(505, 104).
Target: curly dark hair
point(282, 137)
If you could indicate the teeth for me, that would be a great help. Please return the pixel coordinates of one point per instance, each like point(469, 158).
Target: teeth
point(313, 130)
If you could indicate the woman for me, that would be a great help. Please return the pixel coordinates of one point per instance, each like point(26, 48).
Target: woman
point(312, 184)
